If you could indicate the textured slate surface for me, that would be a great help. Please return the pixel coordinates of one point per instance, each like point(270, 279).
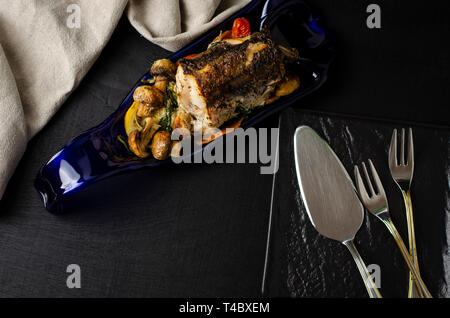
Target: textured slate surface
point(305, 264)
point(196, 230)
point(398, 72)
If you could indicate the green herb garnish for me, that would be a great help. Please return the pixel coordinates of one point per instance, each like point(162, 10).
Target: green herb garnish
point(170, 91)
point(166, 121)
point(243, 111)
point(170, 102)
point(213, 44)
point(148, 81)
point(124, 143)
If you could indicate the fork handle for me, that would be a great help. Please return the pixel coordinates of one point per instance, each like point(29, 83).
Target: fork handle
point(417, 279)
point(368, 282)
point(413, 292)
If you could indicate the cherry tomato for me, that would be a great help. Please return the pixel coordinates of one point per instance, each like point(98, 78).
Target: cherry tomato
point(241, 27)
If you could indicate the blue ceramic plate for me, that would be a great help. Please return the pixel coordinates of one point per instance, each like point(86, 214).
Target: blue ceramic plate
point(98, 153)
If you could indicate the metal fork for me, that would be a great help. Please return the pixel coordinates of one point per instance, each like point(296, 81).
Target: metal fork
point(402, 173)
point(377, 204)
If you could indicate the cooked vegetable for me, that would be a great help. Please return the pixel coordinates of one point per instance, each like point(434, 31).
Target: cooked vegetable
point(170, 105)
point(213, 44)
point(139, 140)
point(161, 83)
point(172, 94)
point(290, 54)
point(222, 36)
point(243, 112)
point(241, 27)
point(161, 145)
point(163, 67)
point(289, 84)
point(149, 96)
point(165, 122)
point(144, 110)
point(131, 120)
point(122, 140)
point(148, 81)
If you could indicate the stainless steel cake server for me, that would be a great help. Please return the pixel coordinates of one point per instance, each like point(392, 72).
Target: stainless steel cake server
point(329, 196)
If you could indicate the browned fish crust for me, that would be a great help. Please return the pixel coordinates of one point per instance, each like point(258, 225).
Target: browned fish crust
point(223, 69)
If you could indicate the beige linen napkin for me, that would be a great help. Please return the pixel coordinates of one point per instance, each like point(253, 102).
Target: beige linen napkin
point(42, 60)
point(44, 54)
point(174, 23)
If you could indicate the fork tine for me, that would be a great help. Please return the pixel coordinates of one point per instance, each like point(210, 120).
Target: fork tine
point(360, 186)
point(393, 150)
point(369, 183)
point(402, 148)
point(377, 180)
point(410, 148)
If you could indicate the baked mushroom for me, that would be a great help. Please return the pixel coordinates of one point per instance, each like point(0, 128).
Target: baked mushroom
point(161, 145)
point(161, 83)
point(149, 95)
point(144, 110)
point(164, 68)
point(140, 140)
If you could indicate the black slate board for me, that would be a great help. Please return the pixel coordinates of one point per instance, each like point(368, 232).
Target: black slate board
point(302, 263)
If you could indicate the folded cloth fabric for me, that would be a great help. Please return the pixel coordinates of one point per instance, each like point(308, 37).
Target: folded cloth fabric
point(174, 23)
point(46, 48)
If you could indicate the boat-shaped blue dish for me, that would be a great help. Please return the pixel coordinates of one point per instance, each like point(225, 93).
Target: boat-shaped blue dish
point(99, 152)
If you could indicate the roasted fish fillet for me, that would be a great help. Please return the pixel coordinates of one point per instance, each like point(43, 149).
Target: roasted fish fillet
point(231, 76)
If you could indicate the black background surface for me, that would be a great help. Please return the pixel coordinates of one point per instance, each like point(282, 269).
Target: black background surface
point(200, 230)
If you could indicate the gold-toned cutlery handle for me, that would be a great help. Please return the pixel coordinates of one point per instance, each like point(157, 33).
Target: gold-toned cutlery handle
point(417, 279)
point(372, 289)
point(413, 292)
